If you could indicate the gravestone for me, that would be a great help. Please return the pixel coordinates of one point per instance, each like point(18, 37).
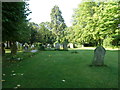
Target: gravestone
point(71, 45)
point(32, 46)
point(19, 46)
point(99, 54)
point(57, 46)
point(26, 47)
point(48, 46)
point(61, 46)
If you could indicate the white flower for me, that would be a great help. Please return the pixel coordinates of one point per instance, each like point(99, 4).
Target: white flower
point(14, 74)
point(3, 74)
point(18, 85)
point(63, 80)
point(18, 58)
point(22, 74)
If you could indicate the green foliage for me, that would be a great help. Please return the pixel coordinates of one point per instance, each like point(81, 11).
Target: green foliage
point(95, 21)
point(57, 23)
point(14, 21)
point(47, 36)
point(33, 32)
point(107, 42)
point(41, 47)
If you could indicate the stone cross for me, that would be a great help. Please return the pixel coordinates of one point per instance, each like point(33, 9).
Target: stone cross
point(99, 54)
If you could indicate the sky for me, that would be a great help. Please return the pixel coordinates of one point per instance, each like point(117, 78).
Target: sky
point(41, 9)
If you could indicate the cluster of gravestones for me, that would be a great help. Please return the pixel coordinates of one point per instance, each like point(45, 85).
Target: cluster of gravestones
point(99, 52)
point(19, 46)
point(64, 46)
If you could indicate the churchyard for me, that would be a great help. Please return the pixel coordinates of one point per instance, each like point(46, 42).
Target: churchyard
point(53, 54)
point(60, 69)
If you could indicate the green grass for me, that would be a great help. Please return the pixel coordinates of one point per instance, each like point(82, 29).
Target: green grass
point(47, 69)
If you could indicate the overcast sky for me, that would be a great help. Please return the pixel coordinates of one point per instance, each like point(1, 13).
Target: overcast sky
point(41, 9)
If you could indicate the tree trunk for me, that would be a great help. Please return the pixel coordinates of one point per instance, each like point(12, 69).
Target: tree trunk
point(13, 48)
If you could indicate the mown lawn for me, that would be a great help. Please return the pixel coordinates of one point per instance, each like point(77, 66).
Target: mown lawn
point(62, 69)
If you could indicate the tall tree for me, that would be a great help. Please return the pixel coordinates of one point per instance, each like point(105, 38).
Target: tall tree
point(14, 22)
point(94, 22)
point(33, 32)
point(46, 34)
point(57, 23)
point(82, 18)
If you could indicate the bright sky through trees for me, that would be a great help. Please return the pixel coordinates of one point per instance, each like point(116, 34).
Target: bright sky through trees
point(41, 9)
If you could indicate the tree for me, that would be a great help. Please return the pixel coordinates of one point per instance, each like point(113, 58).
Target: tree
point(14, 22)
point(33, 32)
point(57, 23)
point(46, 34)
point(96, 21)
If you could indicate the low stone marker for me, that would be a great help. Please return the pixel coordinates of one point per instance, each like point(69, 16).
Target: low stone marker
point(99, 54)
point(57, 46)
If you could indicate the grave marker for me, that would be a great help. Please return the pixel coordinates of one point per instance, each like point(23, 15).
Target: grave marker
point(99, 54)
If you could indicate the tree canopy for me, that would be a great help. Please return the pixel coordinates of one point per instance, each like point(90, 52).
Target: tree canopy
point(57, 23)
point(14, 22)
point(95, 22)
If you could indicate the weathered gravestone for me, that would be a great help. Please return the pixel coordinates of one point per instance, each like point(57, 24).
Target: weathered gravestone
point(99, 54)
point(57, 46)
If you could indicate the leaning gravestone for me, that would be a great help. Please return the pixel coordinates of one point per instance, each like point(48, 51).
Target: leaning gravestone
point(99, 54)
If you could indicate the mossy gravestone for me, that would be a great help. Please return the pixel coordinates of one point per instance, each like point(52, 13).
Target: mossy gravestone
point(99, 54)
